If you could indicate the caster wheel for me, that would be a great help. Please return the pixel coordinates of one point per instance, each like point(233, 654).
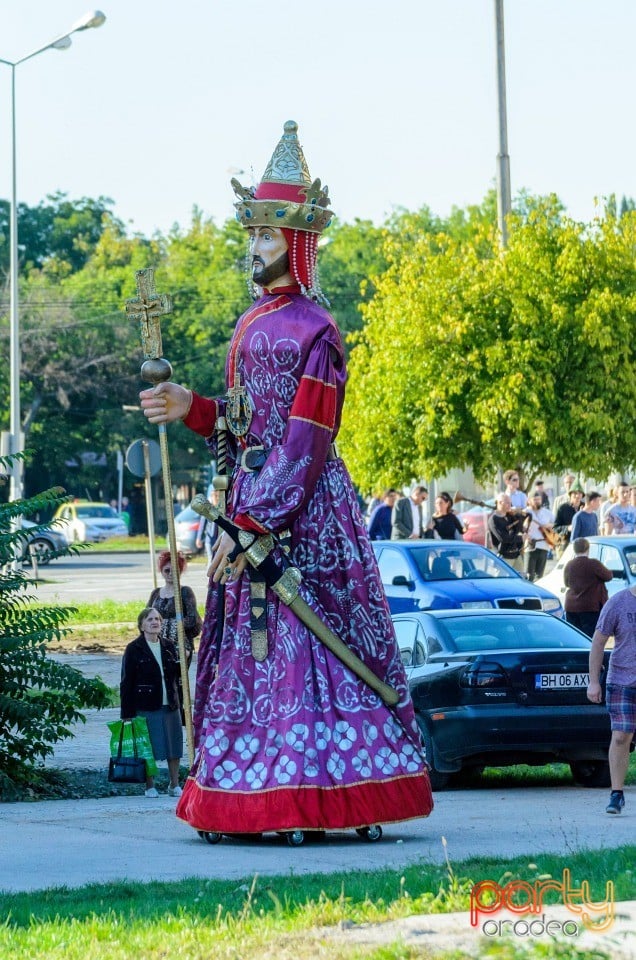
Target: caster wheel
point(296, 838)
point(211, 838)
point(370, 834)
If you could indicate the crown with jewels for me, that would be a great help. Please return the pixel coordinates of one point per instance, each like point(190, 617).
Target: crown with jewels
point(286, 195)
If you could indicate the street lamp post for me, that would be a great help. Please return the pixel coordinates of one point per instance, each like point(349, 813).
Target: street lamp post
point(16, 444)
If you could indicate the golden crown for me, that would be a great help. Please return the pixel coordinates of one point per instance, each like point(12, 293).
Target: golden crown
point(298, 202)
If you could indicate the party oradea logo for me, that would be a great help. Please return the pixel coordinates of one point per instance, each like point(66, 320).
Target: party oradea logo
point(527, 900)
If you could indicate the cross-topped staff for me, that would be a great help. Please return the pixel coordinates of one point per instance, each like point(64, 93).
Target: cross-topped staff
point(148, 308)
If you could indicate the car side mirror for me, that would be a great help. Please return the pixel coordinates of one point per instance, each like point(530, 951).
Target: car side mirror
point(401, 581)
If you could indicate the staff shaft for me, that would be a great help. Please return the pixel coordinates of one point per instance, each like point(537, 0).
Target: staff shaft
point(176, 577)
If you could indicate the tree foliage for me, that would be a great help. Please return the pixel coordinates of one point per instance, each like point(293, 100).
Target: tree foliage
point(39, 698)
point(60, 233)
point(461, 355)
point(471, 356)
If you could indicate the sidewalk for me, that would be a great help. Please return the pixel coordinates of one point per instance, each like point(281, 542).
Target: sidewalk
point(73, 843)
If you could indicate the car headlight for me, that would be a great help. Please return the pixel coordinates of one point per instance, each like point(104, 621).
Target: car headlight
point(477, 605)
point(551, 604)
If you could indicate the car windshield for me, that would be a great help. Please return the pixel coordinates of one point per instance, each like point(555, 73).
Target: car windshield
point(464, 634)
point(459, 563)
point(96, 513)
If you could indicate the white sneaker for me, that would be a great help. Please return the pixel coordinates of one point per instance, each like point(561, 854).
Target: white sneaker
point(152, 792)
point(175, 791)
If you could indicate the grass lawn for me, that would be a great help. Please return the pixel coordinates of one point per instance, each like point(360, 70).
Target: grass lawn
point(279, 917)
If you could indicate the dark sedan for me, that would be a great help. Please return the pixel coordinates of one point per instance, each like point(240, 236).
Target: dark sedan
point(501, 688)
point(439, 574)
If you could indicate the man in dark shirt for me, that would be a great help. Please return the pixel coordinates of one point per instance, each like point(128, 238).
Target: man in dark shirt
point(565, 515)
point(585, 523)
point(586, 593)
point(505, 526)
point(380, 520)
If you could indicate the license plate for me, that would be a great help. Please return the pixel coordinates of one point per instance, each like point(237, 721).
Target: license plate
point(560, 681)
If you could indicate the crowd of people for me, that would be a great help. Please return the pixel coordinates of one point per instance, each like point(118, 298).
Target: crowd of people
point(523, 528)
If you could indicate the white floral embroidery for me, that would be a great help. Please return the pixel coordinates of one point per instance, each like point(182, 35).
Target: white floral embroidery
point(247, 746)
point(217, 743)
point(227, 774)
point(285, 769)
point(256, 775)
point(310, 763)
point(274, 743)
point(362, 763)
point(323, 735)
point(297, 737)
point(369, 733)
point(409, 758)
point(392, 730)
point(344, 735)
point(336, 766)
point(386, 760)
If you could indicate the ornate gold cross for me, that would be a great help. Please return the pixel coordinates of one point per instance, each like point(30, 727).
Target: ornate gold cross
point(148, 307)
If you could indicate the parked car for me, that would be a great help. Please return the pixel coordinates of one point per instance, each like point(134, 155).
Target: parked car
point(476, 519)
point(442, 574)
point(186, 524)
point(617, 553)
point(43, 543)
point(87, 522)
point(501, 688)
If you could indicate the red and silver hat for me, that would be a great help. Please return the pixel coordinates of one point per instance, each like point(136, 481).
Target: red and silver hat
point(286, 196)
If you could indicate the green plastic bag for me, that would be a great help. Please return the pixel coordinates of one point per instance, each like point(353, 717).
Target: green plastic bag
point(142, 738)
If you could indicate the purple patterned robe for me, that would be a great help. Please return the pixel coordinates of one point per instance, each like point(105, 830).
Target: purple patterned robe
point(298, 741)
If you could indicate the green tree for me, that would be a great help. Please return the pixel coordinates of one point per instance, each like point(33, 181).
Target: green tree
point(39, 698)
point(80, 360)
point(473, 357)
point(352, 257)
point(204, 271)
point(60, 231)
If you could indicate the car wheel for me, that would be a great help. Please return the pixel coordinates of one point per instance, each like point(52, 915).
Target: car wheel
point(438, 779)
point(42, 549)
point(469, 776)
point(591, 773)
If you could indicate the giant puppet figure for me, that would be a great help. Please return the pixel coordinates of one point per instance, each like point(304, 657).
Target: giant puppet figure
point(287, 737)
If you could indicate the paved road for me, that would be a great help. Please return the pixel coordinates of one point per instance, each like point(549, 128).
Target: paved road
point(119, 576)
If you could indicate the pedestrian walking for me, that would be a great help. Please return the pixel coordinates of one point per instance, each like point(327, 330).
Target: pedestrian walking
point(617, 620)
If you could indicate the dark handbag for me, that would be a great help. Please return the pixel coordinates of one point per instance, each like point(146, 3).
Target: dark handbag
point(127, 769)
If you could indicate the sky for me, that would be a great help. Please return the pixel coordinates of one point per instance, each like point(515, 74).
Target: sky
point(396, 102)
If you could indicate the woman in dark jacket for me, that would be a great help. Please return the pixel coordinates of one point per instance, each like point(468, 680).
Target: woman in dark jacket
point(150, 688)
point(444, 524)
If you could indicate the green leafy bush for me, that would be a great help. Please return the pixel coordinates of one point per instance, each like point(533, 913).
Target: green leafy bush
point(39, 698)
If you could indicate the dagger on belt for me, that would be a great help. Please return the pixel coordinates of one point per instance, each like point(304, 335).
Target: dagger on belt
point(286, 585)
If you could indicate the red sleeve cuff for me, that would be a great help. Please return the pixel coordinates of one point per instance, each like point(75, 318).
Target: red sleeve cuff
point(202, 415)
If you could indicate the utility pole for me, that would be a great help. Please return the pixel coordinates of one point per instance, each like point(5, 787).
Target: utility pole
point(503, 158)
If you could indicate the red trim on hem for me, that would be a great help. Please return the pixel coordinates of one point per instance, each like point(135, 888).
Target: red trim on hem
point(305, 808)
